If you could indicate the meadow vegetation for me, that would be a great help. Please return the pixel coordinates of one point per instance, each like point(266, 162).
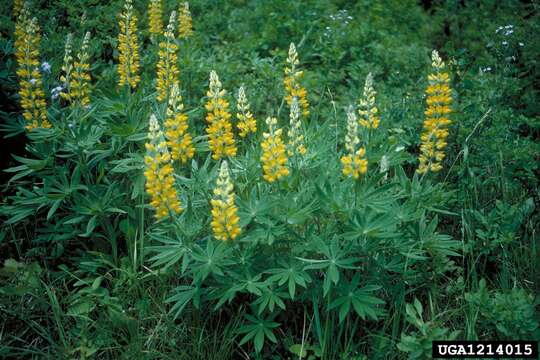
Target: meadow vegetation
point(267, 179)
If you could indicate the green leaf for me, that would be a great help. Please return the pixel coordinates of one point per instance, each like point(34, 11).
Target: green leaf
point(298, 350)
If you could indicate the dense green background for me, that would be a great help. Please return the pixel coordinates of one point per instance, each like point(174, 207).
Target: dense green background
point(87, 272)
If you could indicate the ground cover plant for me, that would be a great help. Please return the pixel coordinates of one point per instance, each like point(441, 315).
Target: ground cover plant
point(267, 179)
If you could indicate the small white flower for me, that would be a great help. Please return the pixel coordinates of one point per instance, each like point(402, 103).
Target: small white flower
point(56, 92)
point(505, 43)
point(33, 81)
point(521, 44)
point(46, 67)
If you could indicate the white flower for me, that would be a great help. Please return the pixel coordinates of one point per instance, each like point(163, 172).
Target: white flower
point(33, 81)
point(56, 92)
point(46, 67)
point(521, 44)
point(505, 43)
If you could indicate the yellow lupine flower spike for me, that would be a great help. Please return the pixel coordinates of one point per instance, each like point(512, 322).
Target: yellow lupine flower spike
point(21, 25)
point(155, 17)
point(296, 139)
point(224, 211)
point(167, 68)
point(31, 86)
point(274, 155)
point(159, 173)
point(176, 129)
point(246, 123)
point(293, 87)
point(219, 129)
point(67, 68)
point(435, 131)
point(128, 47)
point(185, 26)
point(367, 108)
point(17, 7)
point(79, 86)
point(354, 163)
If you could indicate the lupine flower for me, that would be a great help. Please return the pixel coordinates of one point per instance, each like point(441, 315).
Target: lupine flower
point(18, 5)
point(435, 130)
point(159, 173)
point(67, 68)
point(56, 91)
point(224, 211)
point(185, 26)
point(46, 67)
point(354, 163)
point(246, 123)
point(176, 129)
point(79, 86)
point(274, 156)
point(155, 17)
point(367, 108)
point(31, 87)
point(128, 47)
point(219, 129)
point(293, 87)
point(167, 70)
point(21, 25)
point(296, 139)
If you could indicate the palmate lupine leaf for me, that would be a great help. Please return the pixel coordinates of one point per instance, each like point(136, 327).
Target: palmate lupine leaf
point(291, 274)
point(257, 330)
point(361, 299)
point(212, 260)
point(169, 252)
point(183, 294)
point(336, 258)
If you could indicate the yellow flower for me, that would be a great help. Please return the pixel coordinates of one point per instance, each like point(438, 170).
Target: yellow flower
point(367, 108)
point(435, 131)
point(155, 17)
point(67, 68)
point(176, 126)
point(79, 81)
point(128, 47)
point(167, 70)
point(296, 139)
point(293, 87)
point(159, 173)
point(224, 211)
point(21, 25)
point(185, 27)
point(219, 129)
point(17, 7)
point(246, 123)
point(274, 156)
point(354, 163)
point(31, 86)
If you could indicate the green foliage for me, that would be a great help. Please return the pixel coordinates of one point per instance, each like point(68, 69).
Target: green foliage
point(508, 315)
point(418, 343)
point(325, 267)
